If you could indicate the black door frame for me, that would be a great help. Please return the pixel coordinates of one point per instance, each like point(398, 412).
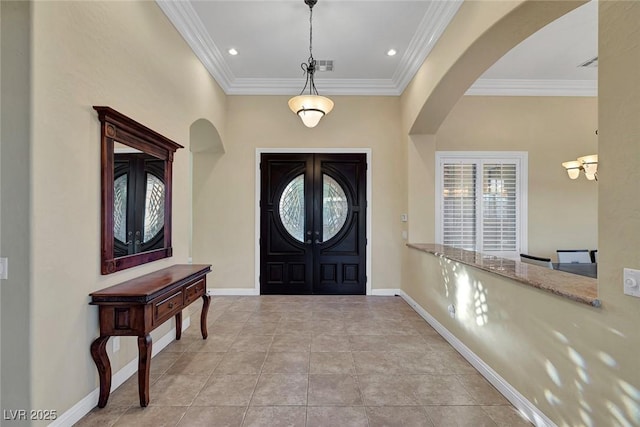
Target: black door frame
point(259, 152)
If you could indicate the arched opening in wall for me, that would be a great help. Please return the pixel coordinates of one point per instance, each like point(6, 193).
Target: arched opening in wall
point(546, 88)
point(204, 137)
point(206, 148)
point(540, 98)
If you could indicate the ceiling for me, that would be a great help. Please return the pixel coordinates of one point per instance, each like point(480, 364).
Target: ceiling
point(272, 40)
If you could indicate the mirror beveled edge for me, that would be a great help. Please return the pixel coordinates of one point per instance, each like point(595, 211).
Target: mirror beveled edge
point(116, 127)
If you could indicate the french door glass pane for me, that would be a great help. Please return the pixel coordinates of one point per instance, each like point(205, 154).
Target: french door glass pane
point(291, 208)
point(120, 208)
point(334, 207)
point(154, 208)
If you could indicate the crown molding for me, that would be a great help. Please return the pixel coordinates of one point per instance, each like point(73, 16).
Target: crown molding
point(380, 87)
point(522, 87)
point(436, 19)
point(185, 19)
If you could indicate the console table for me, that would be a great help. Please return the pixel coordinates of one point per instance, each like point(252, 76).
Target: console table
point(138, 306)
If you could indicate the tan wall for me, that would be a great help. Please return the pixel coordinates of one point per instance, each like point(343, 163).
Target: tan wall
point(224, 184)
point(15, 203)
point(576, 363)
point(128, 56)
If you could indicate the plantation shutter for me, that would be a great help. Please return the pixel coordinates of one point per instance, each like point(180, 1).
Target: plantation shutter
point(499, 207)
point(479, 202)
point(459, 205)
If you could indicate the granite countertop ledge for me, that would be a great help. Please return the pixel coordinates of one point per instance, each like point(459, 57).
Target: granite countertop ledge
point(578, 288)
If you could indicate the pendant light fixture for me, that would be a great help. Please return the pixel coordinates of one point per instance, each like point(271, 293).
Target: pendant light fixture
point(310, 107)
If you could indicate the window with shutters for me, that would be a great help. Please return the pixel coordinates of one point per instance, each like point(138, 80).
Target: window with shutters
point(481, 201)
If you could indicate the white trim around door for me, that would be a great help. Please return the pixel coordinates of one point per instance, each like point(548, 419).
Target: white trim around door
point(259, 152)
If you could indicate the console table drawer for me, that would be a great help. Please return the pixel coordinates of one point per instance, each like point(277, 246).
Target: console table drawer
point(195, 291)
point(167, 307)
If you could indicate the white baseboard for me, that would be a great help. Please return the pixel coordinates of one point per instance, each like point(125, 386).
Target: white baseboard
point(233, 291)
point(385, 292)
point(528, 409)
point(83, 407)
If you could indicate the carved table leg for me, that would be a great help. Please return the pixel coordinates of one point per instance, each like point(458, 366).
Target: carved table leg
point(144, 363)
point(206, 299)
point(101, 359)
point(178, 325)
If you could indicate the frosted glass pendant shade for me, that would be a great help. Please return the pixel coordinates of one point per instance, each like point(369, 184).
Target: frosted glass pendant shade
point(573, 169)
point(310, 108)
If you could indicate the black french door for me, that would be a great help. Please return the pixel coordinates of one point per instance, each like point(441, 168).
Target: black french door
point(313, 223)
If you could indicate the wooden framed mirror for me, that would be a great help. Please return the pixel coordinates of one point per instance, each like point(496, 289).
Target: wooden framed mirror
point(136, 192)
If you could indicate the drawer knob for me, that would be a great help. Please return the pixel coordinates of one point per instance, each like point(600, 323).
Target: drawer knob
point(171, 305)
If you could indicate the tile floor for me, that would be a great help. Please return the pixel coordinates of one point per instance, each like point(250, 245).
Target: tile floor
point(333, 361)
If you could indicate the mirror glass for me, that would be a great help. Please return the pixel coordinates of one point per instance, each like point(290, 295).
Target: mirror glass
point(138, 201)
point(136, 192)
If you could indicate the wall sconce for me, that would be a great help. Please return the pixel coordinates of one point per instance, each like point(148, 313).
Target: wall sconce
point(587, 164)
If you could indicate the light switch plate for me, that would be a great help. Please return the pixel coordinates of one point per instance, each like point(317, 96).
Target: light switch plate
point(404, 217)
point(631, 282)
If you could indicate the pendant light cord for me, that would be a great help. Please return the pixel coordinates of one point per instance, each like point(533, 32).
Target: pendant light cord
point(310, 68)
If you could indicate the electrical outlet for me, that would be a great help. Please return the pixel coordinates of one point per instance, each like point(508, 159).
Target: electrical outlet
point(631, 282)
point(116, 344)
point(4, 268)
point(452, 311)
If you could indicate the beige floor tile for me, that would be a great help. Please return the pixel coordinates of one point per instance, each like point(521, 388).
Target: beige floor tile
point(482, 392)
point(286, 363)
point(259, 327)
point(181, 345)
point(327, 313)
point(275, 416)
point(251, 343)
point(293, 326)
point(330, 327)
point(281, 389)
point(332, 363)
point(222, 327)
point(314, 360)
point(392, 416)
point(175, 390)
point(213, 344)
point(160, 416)
point(399, 390)
point(102, 417)
point(376, 362)
point(330, 389)
point(220, 416)
point(233, 316)
point(227, 390)
point(291, 342)
point(331, 343)
point(459, 416)
point(506, 416)
point(265, 316)
point(195, 364)
point(387, 390)
point(440, 390)
point(347, 416)
point(241, 362)
point(162, 361)
point(127, 393)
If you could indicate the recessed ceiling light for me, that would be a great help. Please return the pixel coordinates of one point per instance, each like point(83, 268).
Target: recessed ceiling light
point(391, 52)
point(233, 52)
